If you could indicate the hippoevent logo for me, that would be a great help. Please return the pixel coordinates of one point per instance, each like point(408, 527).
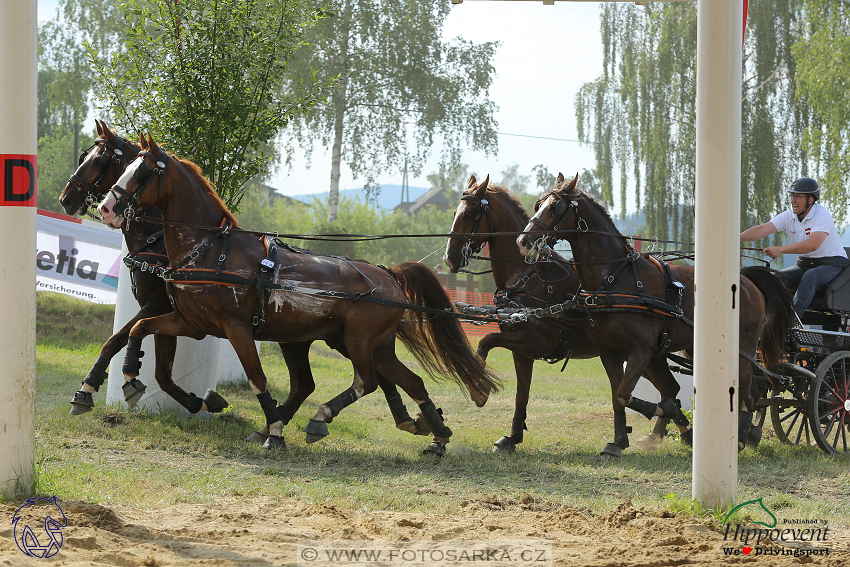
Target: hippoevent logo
point(772, 537)
point(18, 180)
point(38, 527)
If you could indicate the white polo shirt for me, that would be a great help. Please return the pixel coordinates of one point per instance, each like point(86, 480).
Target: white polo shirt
point(817, 219)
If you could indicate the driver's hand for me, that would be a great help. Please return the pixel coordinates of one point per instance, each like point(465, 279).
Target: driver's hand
point(772, 251)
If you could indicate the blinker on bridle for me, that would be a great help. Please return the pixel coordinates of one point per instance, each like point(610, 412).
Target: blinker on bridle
point(104, 162)
point(143, 176)
point(562, 209)
point(482, 207)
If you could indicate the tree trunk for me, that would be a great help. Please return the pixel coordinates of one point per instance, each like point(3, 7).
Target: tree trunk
point(339, 100)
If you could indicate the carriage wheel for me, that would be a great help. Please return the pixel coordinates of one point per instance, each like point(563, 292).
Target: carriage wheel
point(790, 419)
point(829, 403)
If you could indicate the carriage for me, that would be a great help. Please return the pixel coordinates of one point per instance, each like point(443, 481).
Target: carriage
point(810, 400)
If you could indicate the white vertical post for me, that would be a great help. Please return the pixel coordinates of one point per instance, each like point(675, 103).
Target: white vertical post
point(18, 165)
point(718, 198)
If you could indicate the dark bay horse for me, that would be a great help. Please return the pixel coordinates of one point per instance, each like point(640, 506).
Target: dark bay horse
point(99, 168)
point(485, 210)
point(230, 283)
point(633, 298)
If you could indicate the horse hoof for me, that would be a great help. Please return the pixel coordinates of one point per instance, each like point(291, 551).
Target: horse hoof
point(435, 449)
point(754, 436)
point(82, 402)
point(687, 438)
point(256, 437)
point(650, 442)
point(611, 450)
point(504, 445)
point(668, 406)
point(274, 442)
point(316, 430)
point(133, 391)
point(215, 403)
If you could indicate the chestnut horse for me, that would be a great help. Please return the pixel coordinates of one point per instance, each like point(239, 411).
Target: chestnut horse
point(491, 214)
point(99, 168)
point(642, 307)
point(227, 282)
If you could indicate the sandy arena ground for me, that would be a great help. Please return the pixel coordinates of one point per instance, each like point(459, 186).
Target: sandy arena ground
point(266, 534)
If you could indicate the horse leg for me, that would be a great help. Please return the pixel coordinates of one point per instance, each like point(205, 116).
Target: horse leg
point(360, 354)
point(388, 364)
point(524, 367)
point(83, 401)
point(301, 385)
point(658, 372)
point(403, 421)
point(166, 348)
point(613, 365)
point(172, 324)
point(748, 434)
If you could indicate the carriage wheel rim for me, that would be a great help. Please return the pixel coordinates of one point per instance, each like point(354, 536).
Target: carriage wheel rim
point(830, 404)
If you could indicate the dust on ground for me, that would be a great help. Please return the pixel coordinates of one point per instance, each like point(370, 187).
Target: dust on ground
point(257, 533)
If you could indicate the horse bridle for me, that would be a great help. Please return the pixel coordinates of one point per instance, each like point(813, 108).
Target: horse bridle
point(562, 209)
point(482, 207)
point(106, 161)
point(128, 202)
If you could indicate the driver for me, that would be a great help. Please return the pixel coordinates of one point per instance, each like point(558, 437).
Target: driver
point(812, 236)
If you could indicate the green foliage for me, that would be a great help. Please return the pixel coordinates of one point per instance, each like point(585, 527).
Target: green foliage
point(205, 79)
point(823, 67)
point(356, 217)
point(641, 112)
point(65, 84)
point(397, 81)
point(56, 163)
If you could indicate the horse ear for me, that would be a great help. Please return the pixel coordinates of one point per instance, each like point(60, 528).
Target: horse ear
point(143, 142)
point(152, 147)
point(483, 185)
point(472, 182)
point(107, 133)
point(99, 126)
point(560, 178)
point(571, 187)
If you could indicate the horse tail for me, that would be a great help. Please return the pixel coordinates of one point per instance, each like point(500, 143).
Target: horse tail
point(439, 342)
point(778, 313)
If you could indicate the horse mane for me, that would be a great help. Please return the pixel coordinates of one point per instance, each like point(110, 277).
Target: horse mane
point(604, 215)
point(195, 171)
point(513, 199)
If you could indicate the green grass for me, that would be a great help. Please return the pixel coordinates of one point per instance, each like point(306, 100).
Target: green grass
point(142, 460)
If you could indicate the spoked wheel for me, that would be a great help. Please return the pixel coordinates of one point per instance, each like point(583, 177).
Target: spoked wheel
point(829, 404)
point(789, 417)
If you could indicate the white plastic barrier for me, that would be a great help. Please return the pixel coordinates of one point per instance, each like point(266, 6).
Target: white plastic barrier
point(195, 365)
point(229, 367)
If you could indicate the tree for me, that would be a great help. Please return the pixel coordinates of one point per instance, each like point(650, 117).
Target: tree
point(65, 81)
point(641, 112)
point(205, 79)
point(397, 79)
point(823, 67)
point(454, 176)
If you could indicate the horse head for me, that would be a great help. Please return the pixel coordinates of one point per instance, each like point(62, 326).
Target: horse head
point(131, 193)
point(100, 166)
point(470, 225)
point(551, 213)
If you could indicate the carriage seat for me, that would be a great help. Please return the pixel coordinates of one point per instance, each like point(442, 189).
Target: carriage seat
point(836, 297)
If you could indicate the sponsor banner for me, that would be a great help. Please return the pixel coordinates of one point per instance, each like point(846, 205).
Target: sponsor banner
point(18, 174)
point(77, 259)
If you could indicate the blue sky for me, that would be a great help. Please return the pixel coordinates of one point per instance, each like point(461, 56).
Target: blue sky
point(547, 53)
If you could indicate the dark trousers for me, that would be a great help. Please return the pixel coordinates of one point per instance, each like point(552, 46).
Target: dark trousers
point(807, 283)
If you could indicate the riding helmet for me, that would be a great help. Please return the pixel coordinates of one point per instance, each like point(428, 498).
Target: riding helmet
point(805, 185)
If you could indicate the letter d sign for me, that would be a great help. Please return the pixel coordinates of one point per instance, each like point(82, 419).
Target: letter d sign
point(17, 180)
